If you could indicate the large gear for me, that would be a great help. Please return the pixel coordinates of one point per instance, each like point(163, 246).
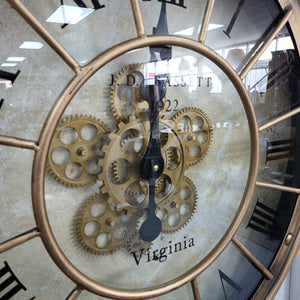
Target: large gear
point(101, 228)
point(176, 211)
point(125, 96)
point(120, 174)
point(195, 131)
point(75, 150)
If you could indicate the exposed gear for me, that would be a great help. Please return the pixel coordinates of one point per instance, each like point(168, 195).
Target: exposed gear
point(125, 96)
point(101, 228)
point(137, 246)
point(75, 150)
point(122, 156)
point(176, 211)
point(195, 131)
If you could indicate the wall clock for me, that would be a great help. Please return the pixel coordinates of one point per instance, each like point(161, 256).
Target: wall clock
point(149, 149)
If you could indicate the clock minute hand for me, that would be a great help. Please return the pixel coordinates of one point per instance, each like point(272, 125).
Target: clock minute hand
point(151, 164)
point(161, 52)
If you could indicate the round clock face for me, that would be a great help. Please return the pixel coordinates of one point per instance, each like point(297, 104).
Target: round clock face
point(147, 146)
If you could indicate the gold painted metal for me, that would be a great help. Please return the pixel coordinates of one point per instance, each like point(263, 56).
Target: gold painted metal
point(48, 38)
point(195, 289)
point(207, 15)
point(138, 19)
point(74, 172)
point(189, 136)
point(289, 239)
point(279, 119)
point(75, 293)
point(265, 45)
point(19, 143)
point(253, 259)
point(104, 224)
point(278, 187)
point(45, 139)
point(283, 260)
point(18, 240)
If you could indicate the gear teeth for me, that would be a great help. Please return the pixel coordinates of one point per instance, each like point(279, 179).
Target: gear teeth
point(115, 169)
point(189, 140)
point(107, 222)
point(58, 171)
point(172, 208)
point(115, 102)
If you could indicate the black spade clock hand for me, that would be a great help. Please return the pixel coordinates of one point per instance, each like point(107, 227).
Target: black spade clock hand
point(161, 52)
point(151, 164)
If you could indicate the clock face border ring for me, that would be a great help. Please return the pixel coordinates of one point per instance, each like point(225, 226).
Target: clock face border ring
point(39, 166)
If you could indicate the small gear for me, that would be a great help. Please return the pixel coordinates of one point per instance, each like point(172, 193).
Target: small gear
point(176, 211)
point(101, 228)
point(137, 246)
point(75, 150)
point(125, 96)
point(195, 131)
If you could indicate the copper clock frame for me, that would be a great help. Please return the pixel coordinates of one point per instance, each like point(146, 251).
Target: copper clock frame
point(274, 275)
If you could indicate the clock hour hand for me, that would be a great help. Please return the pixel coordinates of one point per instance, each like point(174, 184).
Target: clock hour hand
point(151, 164)
point(161, 52)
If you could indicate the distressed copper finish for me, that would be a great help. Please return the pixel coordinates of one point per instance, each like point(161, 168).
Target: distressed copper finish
point(195, 289)
point(286, 253)
point(138, 19)
point(258, 265)
point(40, 29)
point(45, 138)
point(265, 44)
point(20, 143)
point(277, 187)
point(18, 240)
point(206, 19)
point(279, 119)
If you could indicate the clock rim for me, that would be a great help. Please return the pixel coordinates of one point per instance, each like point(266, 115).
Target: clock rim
point(40, 158)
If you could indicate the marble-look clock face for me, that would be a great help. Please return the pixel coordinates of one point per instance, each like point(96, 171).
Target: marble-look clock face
point(142, 164)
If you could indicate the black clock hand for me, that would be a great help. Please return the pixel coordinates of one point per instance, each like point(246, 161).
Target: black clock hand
point(161, 52)
point(151, 164)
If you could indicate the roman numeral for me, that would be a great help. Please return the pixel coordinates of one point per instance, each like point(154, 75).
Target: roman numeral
point(81, 3)
point(229, 281)
point(1, 102)
point(175, 2)
point(10, 285)
point(280, 149)
point(9, 76)
point(262, 219)
point(234, 17)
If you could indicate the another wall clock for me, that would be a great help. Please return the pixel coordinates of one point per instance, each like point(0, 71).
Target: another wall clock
point(149, 149)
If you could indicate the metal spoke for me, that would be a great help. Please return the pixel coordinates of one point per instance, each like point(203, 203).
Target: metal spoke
point(253, 259)
point(195, 289)
point(206, 19)
point(138, 19)
point(279, 119)
point(265, 45)
point(45, 34)
point(19, 239)
point(278, 187)
point(75, 293)
point(19, 143)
